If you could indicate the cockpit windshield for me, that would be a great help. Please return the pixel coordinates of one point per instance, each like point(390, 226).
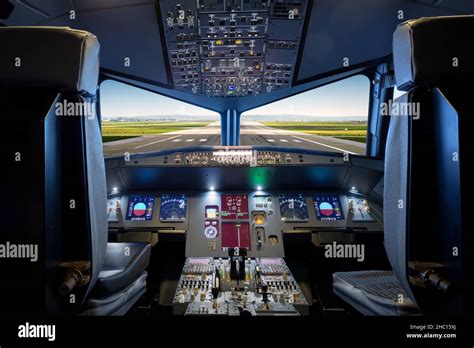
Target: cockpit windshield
point(330, 118)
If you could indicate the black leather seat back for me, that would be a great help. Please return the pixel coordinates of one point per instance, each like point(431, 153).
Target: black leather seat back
point(427, 178)
point(53, 198)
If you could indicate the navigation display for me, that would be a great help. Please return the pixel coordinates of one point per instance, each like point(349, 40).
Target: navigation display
point(234, 207)
point(328, 207)
point(173, 208)
point(140, 208)
point(293, 208)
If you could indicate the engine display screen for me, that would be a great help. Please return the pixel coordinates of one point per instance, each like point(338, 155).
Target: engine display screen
point(173, 208)
point(328, 207)
point(234, 207)
point(140, 208)
point(293, 208)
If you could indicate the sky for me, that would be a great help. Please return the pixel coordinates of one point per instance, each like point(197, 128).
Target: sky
point(345, 98)
point(121, 100)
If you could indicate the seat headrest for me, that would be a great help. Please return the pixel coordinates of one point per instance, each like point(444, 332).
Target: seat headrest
point(49, 57)
point(433, 51)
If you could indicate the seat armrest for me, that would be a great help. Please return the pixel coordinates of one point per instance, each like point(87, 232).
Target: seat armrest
point(124, 262)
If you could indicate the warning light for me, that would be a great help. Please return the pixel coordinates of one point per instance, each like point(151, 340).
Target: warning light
point(219, 42)
point(259, 219)
point(238, 42)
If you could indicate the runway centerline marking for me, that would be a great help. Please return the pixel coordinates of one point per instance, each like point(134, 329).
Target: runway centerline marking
point(283, 140)
point(202, 140)
point(156, 142)
point(176, 140)
point(189, 140)
point(271, 140)
point(329, 146)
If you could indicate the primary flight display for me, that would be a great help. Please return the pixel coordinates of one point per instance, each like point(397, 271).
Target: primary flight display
point(140, 208)
point(328, 207)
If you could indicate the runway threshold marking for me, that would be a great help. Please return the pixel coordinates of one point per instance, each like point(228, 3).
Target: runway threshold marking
point(156, 142)
point(329, 146)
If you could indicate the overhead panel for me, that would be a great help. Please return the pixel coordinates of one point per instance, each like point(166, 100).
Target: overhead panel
point(231, 48)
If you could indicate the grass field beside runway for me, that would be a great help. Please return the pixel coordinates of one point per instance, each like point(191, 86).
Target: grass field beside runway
point(355, 131)
point(112, 131)
point(158, 136)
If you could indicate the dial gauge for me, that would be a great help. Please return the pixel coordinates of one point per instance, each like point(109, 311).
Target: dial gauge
point(211, 229)
point(293, 208)
point(210, 232)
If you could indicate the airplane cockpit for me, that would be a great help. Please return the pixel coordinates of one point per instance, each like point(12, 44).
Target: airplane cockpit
point(199, 159)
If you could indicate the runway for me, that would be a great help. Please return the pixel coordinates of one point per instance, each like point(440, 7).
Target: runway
point(251, 133)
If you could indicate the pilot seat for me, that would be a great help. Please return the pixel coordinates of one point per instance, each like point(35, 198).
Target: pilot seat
point(48, 85)
point(425, 164)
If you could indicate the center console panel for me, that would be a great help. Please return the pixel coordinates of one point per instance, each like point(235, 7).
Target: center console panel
point(236, 286)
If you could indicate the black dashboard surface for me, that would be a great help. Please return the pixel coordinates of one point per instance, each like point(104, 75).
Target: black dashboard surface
point(244, 169)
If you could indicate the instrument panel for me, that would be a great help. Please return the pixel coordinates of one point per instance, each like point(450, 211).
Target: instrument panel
point(212, 222)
